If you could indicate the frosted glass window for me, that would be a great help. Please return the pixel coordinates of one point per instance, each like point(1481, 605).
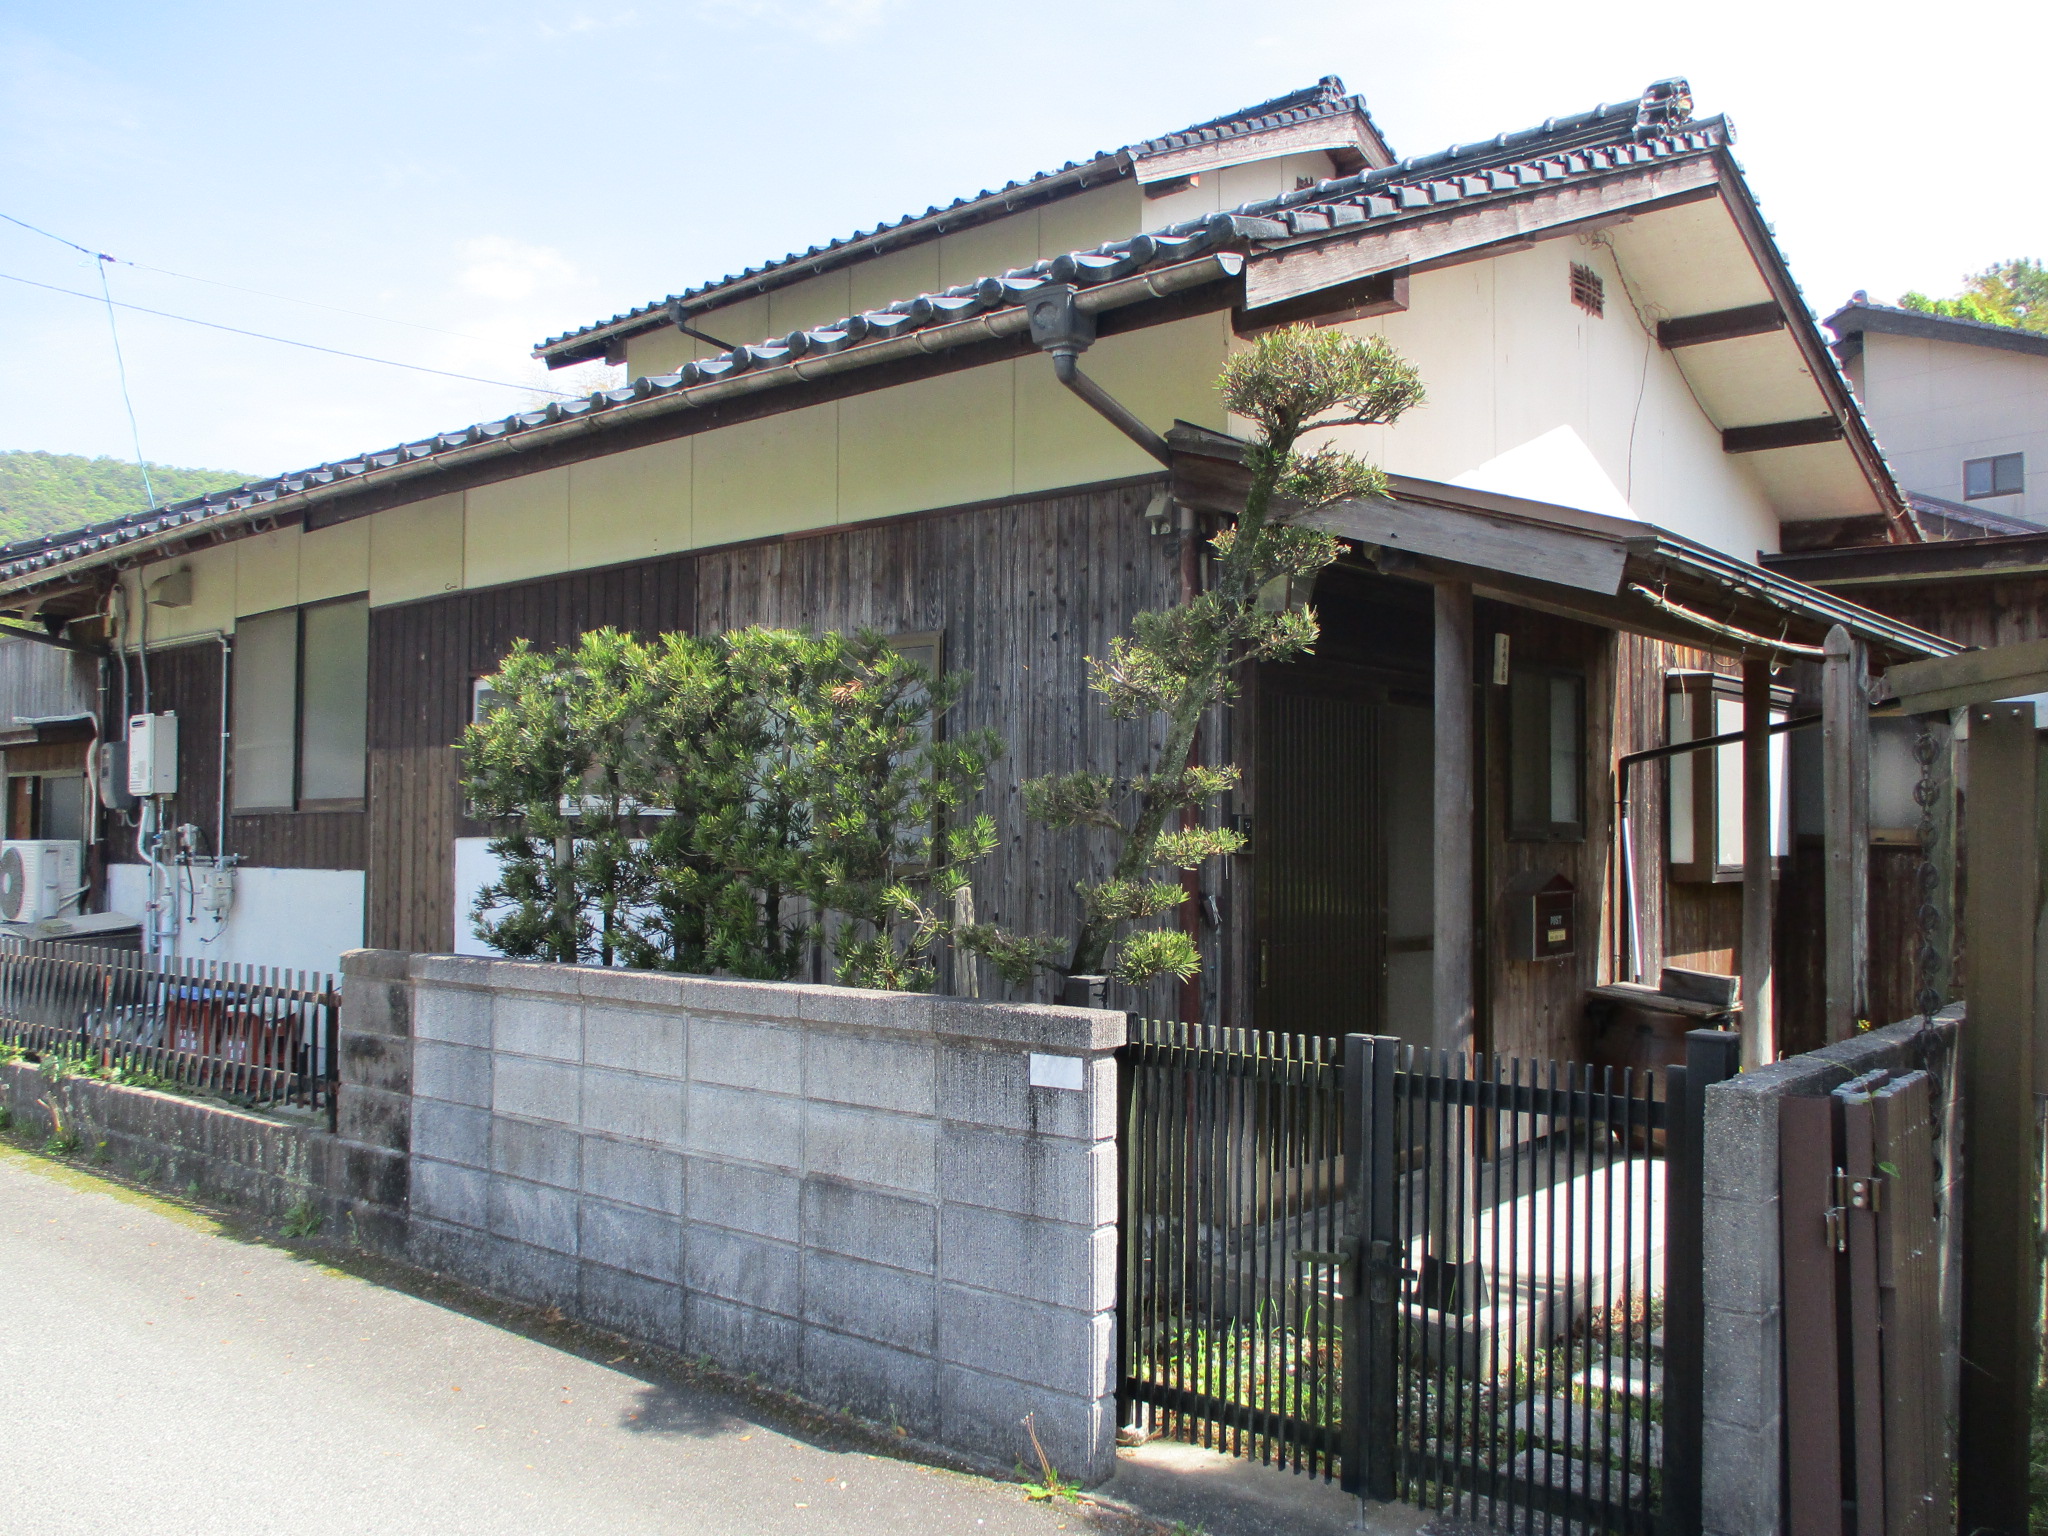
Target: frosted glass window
point(1546, 755)
point(336, 692)
point(1728, 782)
point(1682, 777)
point(265, 715)
point(1564, 749)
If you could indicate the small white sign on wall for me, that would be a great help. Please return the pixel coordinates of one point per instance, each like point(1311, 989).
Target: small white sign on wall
point(1056, 1072)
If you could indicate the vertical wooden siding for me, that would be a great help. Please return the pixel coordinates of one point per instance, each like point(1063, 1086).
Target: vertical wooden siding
point(1024, 592)
point(423, 658)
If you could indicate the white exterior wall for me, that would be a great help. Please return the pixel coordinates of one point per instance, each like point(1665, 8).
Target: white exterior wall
point(1934, 404)
point(301, 919)
point(1531, 396)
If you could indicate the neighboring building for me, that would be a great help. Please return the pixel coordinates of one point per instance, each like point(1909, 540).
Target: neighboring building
point(1627, 402)
point(1959, 407)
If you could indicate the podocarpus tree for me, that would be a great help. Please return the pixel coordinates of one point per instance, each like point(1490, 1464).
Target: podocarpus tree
point(885, 787)
point(546, 766)
point(700, 804)
point(1178, 663)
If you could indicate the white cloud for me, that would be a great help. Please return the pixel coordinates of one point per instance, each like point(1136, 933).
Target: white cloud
point(822, 21)
point(510, 270)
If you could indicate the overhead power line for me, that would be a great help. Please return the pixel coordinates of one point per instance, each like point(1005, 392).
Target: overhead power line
point(236, 330)
point(214, 282)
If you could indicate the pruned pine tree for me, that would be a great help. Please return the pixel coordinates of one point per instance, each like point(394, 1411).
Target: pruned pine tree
point(1179, 662)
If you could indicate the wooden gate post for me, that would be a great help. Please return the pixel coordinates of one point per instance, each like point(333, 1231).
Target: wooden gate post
point(2001, 903)
point(1845, 815)
point(1453, 939)
point(1759, 1033)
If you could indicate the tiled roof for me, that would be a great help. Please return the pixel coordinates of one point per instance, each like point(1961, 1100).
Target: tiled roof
point(1589, 144)
point(1860, 315)
point(1325, 99)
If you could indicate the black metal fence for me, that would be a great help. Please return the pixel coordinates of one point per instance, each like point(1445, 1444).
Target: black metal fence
point(251, 1034)
point(1463, 1284)
point(1232, 1322)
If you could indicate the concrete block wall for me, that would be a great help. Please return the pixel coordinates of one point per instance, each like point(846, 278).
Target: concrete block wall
point(898, 1206)
point(1743, 1491)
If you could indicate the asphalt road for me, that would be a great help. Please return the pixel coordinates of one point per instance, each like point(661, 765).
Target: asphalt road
point(160, 1375)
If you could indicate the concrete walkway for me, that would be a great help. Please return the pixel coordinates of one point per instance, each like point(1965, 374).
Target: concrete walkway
point(160, 1373)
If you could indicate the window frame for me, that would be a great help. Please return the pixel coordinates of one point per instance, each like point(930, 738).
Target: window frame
point(300, 804)
point(1702, 772)
point(1523, 756)
point(1992, 464)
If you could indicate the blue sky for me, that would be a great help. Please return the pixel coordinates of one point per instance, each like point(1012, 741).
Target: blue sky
point(509, 170)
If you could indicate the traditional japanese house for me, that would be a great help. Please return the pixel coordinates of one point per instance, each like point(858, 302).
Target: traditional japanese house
point(1628, 401)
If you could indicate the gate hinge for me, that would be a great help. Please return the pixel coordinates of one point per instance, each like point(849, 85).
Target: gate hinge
point(1838, 1228)
point(1859, 1194)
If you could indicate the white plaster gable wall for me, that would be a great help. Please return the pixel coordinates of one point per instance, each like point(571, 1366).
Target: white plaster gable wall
point(300, 919)
point(1531, 395)
point(1934, 404)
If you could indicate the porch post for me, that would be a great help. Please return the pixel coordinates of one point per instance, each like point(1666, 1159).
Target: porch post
point(1759, 1030)
point(1452, 1027)
point(1845, 797)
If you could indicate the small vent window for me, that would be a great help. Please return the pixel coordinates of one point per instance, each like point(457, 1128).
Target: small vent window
point(1588, 292)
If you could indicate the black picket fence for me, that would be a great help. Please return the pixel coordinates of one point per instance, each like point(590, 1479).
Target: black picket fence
point(256, 1035)
point(1436, 1279)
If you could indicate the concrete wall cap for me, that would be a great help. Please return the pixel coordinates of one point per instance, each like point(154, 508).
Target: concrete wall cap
point(1038, 1024)
point(452, 970)
point(377, 964)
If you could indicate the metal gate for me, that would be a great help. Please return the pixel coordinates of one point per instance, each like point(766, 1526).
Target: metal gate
point(1470, 1286)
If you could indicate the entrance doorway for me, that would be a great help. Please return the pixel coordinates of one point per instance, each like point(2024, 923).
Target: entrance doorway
point(1341, 830)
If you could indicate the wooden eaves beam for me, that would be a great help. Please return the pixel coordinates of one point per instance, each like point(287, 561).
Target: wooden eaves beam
point(1781, 434)
point(1720, 325)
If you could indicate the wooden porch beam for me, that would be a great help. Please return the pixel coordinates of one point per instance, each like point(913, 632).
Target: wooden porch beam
point(1759, 1022)
point(1452, 1027)
point(1845, 802)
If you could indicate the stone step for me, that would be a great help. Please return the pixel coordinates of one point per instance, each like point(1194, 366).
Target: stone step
point(1634, 1376)
point(1581, 1427)
point(1553, 1469)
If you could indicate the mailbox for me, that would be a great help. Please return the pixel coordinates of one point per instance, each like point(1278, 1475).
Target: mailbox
point(1548, 920)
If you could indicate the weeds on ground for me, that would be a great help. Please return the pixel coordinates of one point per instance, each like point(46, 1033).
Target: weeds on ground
point(62, 1140)
point(302, 1220)
point(1048, 1486)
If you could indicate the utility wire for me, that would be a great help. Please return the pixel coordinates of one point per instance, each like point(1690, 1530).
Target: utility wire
point(214, 282)
point(100, 261)
point(121, 372)
point(361, 357)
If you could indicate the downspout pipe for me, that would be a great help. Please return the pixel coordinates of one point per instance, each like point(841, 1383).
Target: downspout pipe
point(1066, 367)
point(1060, 325)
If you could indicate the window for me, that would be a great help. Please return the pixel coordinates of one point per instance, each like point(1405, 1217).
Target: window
point(1546, 755)
point(1705, 818)
point(301, 707)
point(47, 805)
point(1588, 292)
point(2005, 475)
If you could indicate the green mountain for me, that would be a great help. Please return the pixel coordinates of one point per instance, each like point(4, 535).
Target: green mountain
point(54, 492)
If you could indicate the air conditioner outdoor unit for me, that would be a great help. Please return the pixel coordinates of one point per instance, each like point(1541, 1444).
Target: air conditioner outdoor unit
point(39, 880)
